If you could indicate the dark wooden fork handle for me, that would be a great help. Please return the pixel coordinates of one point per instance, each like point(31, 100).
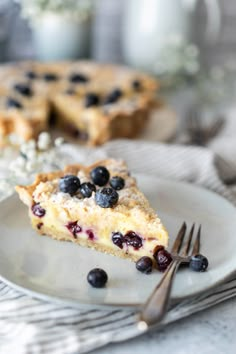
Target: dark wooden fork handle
point(156, 306)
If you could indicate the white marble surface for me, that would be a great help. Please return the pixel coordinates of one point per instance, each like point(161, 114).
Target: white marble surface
point(212, 331)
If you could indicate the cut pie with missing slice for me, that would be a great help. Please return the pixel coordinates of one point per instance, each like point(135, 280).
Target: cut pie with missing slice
point(99, 206)
point(93, 102)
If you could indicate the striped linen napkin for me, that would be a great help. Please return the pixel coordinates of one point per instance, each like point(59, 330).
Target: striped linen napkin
point(34, 326)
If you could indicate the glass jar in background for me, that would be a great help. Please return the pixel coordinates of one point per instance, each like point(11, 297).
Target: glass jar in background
point(149, 24)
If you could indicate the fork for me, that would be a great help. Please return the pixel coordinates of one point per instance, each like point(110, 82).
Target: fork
point(200, 134)
point(156, 306)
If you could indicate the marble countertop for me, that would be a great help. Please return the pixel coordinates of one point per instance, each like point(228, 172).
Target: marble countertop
point(211, 331)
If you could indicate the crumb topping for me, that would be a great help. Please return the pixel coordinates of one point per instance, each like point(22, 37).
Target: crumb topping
point(129, 197)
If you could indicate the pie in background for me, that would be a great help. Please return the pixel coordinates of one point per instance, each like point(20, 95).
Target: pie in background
point(94, 102)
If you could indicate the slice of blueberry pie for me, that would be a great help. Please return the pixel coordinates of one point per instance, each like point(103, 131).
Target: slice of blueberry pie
point(99, 206)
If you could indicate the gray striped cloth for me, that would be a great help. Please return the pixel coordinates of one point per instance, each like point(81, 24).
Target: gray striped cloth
point(33, 326)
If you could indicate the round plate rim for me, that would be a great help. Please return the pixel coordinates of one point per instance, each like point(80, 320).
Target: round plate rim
point(76, 304)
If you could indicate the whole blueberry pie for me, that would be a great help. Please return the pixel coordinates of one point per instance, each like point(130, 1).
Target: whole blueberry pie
point(84, 205)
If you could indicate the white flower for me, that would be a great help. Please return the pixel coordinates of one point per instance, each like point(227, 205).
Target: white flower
point(175, 39)
point(192, 67)
point(30, 161)
point(31, 155)
point(27, 146)
point(15, 139)
point(6, 188)
point(59, 141)
point(192, 50)
point(31, 166)
point(78, 9)
point(44, 141)
point(17, 164)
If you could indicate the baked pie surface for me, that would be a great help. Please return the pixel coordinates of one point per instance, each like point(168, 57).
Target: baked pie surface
point(97, 102)
point(129, 228)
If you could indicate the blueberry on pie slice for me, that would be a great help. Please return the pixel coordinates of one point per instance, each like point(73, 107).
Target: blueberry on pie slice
point(98, 206)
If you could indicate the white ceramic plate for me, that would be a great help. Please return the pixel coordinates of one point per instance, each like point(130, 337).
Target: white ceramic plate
point(49, 269)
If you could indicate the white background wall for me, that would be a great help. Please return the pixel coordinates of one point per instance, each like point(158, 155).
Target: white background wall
point(106, 44)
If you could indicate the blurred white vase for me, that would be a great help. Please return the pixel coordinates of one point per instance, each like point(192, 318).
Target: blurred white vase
point(57, 37)
point(148, 24)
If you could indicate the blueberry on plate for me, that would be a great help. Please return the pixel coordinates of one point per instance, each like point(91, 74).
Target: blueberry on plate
point(198, 263)
point(23, 89)
point(97, 277)
point(69, 184)
point(106, 197)
point(78, 78)
point(113, 96)
point(163, 259)
point(86, 189)
point(13, 103)
point(117, 183)
point(144, 265)
point(100, 176)
point(91, 99)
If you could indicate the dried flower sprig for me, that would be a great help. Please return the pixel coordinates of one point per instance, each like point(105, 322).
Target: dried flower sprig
point(33, 157)
point(77, 9)
point(178, 62)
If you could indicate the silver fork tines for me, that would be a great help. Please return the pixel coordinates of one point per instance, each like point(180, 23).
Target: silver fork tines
point(156, 306)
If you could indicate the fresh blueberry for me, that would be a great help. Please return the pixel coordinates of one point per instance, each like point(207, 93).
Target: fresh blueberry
point(86, 189)
point(37, 210)
point(144, 265)
point(100, 176)
point(31, 75)
point(69, 184)
point(132, 239)
point(78, 78)
point(136, 85)
point(74, 228)
point(106, 197)
point(117, 239)
point(163, 259)
point(13, 103)
point(117, 182)
point(198, 263)
point(23, 89)
point(91, 99)
point(97, 277)
point(113, 96)
point(50, 77)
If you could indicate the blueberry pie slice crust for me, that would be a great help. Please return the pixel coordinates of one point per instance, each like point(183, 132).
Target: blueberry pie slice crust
point(98, 206)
